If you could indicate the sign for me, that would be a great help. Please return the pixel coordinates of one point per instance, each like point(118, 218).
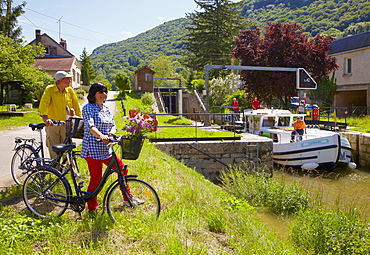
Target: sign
point(304, 80)
point(302, 102)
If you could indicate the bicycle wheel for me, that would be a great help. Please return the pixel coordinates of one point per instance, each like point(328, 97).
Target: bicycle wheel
point(46, 193)
point(119, 209)
point(23, 162)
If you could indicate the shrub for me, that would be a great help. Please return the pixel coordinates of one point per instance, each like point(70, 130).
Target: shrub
point(148, 99)
point(260, 190)
point(331, 232)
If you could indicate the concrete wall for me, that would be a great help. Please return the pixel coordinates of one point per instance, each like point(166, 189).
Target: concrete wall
point(229, 152)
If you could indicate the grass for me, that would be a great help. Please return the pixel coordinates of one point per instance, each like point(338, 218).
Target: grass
point(11, 122)
point(313, 228)
point(198, 217)
point(361, 124)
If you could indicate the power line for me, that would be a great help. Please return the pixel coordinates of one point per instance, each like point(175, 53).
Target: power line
point(59, 20)
point(53, 31)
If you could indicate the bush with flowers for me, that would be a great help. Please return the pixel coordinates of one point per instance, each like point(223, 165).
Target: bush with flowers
point(137, 126)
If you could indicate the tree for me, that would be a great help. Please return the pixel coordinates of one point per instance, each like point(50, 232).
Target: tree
point(326, 89)
point(122, 82)
point(220, 88)
point(164, 68)
point(17, 64)
point(87, 71)
point(8, 20)
point(210, 38)
point(282, 45)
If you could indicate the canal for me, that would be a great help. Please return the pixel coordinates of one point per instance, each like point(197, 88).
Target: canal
point(343, 188)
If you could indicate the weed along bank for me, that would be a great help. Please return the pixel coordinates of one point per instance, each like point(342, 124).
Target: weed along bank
point(211, 157)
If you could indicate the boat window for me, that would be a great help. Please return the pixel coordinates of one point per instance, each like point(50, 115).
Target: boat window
point(269, 122)
point(283, 121)
point(274, 138)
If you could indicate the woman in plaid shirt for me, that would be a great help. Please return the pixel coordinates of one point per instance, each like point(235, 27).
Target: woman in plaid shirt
point(98, 123)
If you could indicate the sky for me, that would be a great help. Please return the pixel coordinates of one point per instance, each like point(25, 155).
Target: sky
point(92, 23)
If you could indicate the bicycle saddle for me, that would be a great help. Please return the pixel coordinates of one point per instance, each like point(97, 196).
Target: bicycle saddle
point(36, 126)
point(63, 147)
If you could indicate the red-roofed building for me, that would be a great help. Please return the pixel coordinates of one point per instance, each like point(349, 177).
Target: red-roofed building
point(57, 58)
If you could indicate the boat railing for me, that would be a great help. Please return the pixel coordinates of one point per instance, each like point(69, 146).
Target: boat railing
point(286, 137)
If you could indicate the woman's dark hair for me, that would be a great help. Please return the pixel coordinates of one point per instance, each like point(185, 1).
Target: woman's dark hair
point(96, 87)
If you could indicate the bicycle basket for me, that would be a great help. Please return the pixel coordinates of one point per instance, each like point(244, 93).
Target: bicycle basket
point(75, 127)
point(131, 147)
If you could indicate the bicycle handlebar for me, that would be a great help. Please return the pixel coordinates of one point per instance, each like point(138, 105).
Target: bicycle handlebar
point(113, 139)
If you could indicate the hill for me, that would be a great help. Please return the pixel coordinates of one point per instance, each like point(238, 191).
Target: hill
point(165, 39)
point(332, 17)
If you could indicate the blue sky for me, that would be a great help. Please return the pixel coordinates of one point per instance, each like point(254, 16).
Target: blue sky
point(92, 23)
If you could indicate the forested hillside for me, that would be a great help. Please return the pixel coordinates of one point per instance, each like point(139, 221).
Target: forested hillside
point(138, 51)
point(329, 17)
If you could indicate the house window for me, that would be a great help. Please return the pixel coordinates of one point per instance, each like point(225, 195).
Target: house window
point(147, 77)
point(47, 52)
point(348, 66)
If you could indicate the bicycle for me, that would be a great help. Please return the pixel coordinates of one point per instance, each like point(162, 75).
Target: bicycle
point(48, 192)
point(27, 151)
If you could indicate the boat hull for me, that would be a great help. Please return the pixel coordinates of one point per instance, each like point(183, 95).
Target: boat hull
point(315, 149)
point(324, 151)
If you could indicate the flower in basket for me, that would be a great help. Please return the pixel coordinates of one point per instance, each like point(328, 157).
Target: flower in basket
point(136, 126)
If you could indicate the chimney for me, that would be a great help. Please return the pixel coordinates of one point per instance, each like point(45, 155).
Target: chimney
point(63, 43)
point(38, 36)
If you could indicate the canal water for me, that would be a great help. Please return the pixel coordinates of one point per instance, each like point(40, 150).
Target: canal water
point(343, 188)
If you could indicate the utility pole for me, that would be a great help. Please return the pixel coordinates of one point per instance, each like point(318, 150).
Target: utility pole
point(60, 21)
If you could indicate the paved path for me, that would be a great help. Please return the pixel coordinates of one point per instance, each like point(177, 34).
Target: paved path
point(7, 145)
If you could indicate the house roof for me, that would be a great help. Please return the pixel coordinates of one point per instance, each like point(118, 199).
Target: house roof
point(55, 64)
point(144, 67)
point(349, 43)
point(55, 43)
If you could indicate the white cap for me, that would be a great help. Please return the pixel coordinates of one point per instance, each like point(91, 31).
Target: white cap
point(61, 74)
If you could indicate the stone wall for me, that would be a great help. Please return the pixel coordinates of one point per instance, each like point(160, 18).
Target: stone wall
point(227, 151)
point(360, 142)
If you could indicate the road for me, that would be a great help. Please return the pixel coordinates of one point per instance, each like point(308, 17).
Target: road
point(7, 145)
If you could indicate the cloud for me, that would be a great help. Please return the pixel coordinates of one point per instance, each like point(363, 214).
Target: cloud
point(160, 18)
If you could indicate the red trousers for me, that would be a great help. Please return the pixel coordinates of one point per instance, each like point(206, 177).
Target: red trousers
point(96, 169)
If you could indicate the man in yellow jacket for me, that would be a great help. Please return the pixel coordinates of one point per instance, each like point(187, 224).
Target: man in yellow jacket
point(58, 102)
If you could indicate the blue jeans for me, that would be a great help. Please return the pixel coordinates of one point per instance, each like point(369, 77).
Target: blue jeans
point(300, 133)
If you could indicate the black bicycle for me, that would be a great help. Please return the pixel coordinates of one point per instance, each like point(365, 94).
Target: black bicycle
point(47, 192)
point(29, 153)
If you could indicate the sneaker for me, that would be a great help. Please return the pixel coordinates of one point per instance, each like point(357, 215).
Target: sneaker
point(137, 200)
point(134, 201)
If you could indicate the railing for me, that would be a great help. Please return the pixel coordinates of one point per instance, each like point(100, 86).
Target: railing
point(200, 101)
point(360, 111)
point(218, 121)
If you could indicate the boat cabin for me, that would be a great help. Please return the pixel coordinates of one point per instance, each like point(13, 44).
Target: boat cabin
point(265, 118)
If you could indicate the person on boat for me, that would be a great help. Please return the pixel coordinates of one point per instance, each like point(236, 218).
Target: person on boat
point(299, 129)
point(235, 105)
point(255, 103)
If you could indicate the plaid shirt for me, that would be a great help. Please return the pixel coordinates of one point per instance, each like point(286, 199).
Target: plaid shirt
point(103, 120)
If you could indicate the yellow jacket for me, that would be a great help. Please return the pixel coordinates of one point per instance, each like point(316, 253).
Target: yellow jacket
point(53, 103)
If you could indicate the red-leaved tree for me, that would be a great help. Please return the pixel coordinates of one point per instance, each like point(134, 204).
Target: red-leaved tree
point(282, 45)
